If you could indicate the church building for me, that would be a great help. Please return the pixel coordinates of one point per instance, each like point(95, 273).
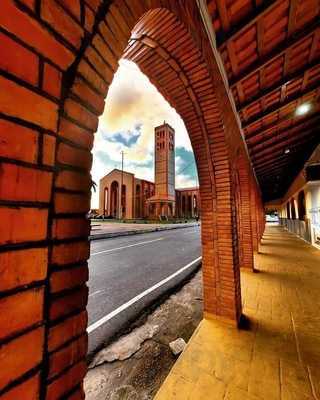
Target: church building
point(122, 195)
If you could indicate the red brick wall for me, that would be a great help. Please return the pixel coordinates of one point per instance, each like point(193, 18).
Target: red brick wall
point(57, 61)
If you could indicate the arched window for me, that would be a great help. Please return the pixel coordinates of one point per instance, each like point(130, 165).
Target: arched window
point(195, 205)
point(106, 202)
point(288, 211)
point(138, 202)
point(301, 205)
point(114, 199)
point(123, 201)
point(293, 210)
point(189, 206)
point(183, 206)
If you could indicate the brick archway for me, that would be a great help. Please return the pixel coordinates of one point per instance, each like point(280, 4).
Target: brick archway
point(169, 56)
point(53, 105)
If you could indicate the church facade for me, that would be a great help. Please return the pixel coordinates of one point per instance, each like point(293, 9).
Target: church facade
point(122, 195)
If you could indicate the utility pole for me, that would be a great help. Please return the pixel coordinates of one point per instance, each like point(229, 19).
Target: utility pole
point(120, 200)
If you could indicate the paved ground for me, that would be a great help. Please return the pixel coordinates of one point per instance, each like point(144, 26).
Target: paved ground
point(277, 356)
point(128, 273)
point(133, 367)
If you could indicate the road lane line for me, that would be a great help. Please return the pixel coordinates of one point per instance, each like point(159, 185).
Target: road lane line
point(126, 247)
point(94, 293)
point(129, 303)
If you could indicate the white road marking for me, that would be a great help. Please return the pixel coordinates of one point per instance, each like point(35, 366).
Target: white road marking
point(125, 247)
point(96, 292)
point(129, 303)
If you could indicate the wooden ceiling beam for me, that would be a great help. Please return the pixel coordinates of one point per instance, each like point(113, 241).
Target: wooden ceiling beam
point(266, 135)
point(280, 152)
point(294, 166)
point(267, 180)
point(278, 85)
point(275, 168)
point(276, 107)
point(314, 45)
point(233, 59)
point(292, 16)
point(275, 124)
point(255, 156)
point(211, 6)
point(279, 51)
point(276, 176)
point(280, 155)
point(223, 13)
point(299, 125)
point(260, 32)
point(274, 171)
point(269, 164)
point(270, 167)
point(284, 140)
point(259, 11)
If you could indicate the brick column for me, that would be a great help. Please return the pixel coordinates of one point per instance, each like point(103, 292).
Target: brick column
point(245, 210)
point(254, 216)
point(220, 240)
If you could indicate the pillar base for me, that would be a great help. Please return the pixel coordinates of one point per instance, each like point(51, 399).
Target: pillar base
point(230, 322)
point(243, 323)
point(248, 269)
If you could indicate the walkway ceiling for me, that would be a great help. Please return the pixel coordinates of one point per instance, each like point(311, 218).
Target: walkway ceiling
point(271, 55)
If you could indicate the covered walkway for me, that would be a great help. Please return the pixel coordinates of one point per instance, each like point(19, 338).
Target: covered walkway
point(276, 355)
point(244, 77)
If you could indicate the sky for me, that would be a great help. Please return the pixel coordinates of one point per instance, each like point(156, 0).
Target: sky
point(133, 108)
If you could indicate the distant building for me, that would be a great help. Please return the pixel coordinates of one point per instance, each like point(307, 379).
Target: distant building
point(134, 194)
point(188, 203)
point(144, 199)
point(164, 199)
point(299, 208)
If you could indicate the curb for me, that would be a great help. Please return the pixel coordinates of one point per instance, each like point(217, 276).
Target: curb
point(111, 235)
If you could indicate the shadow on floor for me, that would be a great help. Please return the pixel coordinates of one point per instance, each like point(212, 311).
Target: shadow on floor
point(275, 356)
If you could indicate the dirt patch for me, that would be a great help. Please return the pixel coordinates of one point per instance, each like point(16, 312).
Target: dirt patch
point(134, 367)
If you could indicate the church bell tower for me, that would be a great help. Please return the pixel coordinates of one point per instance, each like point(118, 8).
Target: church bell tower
point(163, 202)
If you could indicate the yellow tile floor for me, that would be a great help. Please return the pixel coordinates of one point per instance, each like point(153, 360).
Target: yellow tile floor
point(277, 356)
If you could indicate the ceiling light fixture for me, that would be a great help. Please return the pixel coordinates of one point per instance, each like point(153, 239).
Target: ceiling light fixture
point(303, 109)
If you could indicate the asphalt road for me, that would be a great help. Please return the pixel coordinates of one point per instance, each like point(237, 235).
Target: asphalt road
point(129, 273)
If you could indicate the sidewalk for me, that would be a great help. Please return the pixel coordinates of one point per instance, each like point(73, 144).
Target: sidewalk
point(105, 230)
point(136, 363)
point(276, 357)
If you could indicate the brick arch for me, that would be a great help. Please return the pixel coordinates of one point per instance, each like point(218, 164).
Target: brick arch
point(176, 66)
point(167, 53)
point(162, 58)
point(53, 105)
